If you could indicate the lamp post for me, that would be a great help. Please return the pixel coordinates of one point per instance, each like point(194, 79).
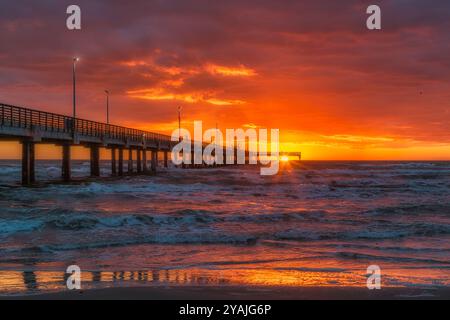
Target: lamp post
point(179, 133)
point(107, 106)
point(179, 123)
point(74, 62)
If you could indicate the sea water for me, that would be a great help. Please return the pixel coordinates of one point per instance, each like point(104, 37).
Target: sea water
point(313, 224)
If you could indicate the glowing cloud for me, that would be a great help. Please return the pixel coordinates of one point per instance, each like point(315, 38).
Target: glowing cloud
point(134, 63)
point(354, 138)
point(162, 94)
point(219, 102)
point(240, 71)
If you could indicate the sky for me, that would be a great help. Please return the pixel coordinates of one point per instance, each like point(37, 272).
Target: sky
point(335, 89)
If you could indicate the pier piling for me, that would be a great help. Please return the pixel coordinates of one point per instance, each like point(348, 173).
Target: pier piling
point(65, 170)
point(144, 161)
point(166, 160)
point(154, 163)
point(113, 161)
point(138, 160)
point(130, 160)
point(120, 161)
point(95, 161)
point(28, 176)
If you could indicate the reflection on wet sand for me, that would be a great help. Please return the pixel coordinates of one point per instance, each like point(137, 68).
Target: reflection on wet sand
point(24, 282)
point(35, 281)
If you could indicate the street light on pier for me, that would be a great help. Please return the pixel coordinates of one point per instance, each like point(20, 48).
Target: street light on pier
point(74, 62)
point(107, 106)
point(179, 123)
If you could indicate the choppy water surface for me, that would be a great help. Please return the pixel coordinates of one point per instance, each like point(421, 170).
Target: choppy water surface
point(316, 223)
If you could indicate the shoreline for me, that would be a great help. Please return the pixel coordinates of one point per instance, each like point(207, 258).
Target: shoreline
point(241, 293)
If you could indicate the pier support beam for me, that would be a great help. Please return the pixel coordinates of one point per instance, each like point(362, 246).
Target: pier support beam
point(95, 161)
point(27, 163)
point(130, 160)
point(113, 161)
point(138, 160)
point(32, 158)
point(65, 170)
point(120, 161)
point(144, 161)
point(154, 163)
point(166, 160)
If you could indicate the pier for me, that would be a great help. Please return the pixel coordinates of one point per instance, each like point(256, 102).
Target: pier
point(31, 127)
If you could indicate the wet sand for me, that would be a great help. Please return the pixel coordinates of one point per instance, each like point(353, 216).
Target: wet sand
point(243, 293)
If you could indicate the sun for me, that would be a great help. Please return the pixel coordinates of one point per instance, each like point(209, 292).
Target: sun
point(284, 158)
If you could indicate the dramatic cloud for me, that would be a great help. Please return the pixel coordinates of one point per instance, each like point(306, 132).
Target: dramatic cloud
point(310, 68)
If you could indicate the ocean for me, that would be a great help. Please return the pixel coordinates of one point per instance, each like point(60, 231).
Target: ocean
point(313, 224)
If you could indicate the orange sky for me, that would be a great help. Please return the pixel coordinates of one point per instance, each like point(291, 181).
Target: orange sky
point(310, 68)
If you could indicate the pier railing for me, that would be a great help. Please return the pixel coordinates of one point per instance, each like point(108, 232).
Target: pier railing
point(19, 117)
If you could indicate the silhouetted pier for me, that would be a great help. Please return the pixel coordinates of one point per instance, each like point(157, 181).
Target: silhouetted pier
point(32, 126)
